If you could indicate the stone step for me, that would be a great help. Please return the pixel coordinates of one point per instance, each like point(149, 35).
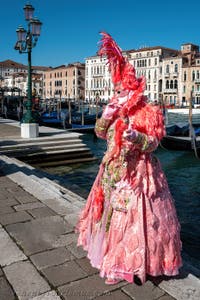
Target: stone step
point(56, 155)
point(66, 162)
point(16, 152)
point(40, 143)
point(44, 152)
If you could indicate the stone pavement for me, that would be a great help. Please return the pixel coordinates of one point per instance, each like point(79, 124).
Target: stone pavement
point(39, 258)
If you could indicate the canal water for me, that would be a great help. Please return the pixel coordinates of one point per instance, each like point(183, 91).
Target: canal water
point(183, 173)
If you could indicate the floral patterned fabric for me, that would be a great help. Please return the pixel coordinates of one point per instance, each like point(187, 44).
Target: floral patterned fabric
point(129, 224)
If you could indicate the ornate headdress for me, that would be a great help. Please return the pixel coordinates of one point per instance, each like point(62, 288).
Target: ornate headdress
point(121, 70)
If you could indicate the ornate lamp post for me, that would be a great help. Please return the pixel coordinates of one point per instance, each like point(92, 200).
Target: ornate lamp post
point(26, 40)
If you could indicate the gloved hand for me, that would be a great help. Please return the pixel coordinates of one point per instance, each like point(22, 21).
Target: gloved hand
point(110, 111)
point(130, 135)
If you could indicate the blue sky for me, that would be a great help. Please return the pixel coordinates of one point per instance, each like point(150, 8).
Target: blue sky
point(70, 30)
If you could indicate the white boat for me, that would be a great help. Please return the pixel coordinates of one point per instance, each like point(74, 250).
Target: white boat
point(184, 111)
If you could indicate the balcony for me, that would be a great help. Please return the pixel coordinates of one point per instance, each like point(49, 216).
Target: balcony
point(97, 76)
point(175, 74)
point(196, 93)
point(170, 91)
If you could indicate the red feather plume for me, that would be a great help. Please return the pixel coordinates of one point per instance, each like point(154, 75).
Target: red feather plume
point(112, 51)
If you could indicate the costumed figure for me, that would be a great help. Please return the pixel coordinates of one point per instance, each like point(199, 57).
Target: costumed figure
point(129, 225)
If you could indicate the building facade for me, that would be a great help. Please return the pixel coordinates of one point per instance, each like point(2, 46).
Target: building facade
point(14, 78)
point(64, 82)
point(172, 76)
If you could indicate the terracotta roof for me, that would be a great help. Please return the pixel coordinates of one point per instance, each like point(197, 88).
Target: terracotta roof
point(151, 48)
point(12, 64)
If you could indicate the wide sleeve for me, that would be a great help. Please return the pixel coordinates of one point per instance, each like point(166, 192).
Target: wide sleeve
point(101, 127)
point(150, 128)
point(145, 143)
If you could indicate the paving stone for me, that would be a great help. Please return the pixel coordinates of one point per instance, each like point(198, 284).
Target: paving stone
point(6, 293)
point(14, 189)
point(65, 239)
point(72, 218)
point(15, 217)
point(7, 182)
point(24, 197)
point(4, 180)
point(48, 296)
point(6, 210)
point(116, 295)
point(27, 206)
point(146, 291)
point(26, 280)
point(9, 252)
point(78, 252)
point(51, 258)
point(3, 194)
point(166, 297)
point(62, 274)
point(40, 234)
point(87, 288)
point(183, 286)
point(61, 206)
point(11, 201)
point(41, 212)
point(84, 263)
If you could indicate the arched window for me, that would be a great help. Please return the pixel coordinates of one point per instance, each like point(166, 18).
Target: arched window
point(197, 74)
point(167, 69)
point(185, 76)
point(175, 84)
point(171, 84)
point(176, 68)
point(167, 84)
point(193, 75)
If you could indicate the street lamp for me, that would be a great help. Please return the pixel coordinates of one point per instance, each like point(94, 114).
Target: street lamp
point(26, 40)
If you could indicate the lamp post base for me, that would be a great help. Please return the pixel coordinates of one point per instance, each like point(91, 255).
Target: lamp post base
point(29, 130)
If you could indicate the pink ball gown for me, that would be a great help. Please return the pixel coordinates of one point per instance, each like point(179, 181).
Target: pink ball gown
point(129, 224)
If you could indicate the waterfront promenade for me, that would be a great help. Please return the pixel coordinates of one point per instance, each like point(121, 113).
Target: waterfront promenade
point(39, 258)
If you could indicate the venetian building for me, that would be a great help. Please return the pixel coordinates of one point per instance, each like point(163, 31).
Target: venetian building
point(171, 80)
point(65, 82)
point(14, 78)
point(148, 62)
point(98, 85)
point(190, 74)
